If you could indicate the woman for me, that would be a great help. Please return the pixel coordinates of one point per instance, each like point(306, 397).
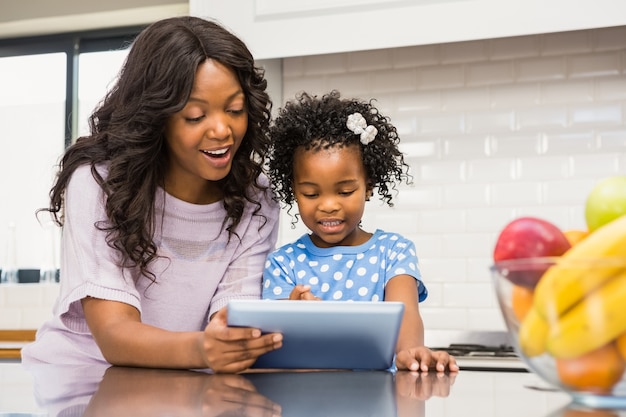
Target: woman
point(165, 213)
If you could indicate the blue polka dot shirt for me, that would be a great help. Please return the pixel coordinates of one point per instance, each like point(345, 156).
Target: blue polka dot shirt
point(349, 273)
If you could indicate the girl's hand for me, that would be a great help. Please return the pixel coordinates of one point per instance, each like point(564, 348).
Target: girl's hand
point(422, 386)
point(423, 359)
point(234, 349)
point(302, 292)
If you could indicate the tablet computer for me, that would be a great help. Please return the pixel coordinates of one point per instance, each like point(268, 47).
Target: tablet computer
point(323, 334)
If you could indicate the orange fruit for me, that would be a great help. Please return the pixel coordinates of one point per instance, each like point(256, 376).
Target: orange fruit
point(621, 345)
point(596, 372)
point(575, 235)
point(522, 300)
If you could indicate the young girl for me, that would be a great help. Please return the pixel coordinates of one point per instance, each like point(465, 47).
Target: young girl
point(164, 210)
point(329, 155)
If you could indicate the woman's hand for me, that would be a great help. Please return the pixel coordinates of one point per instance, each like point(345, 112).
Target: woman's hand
point(302, 292)
point(234, 349)
point(125, 341)
point(423, 359)
point(142, 392)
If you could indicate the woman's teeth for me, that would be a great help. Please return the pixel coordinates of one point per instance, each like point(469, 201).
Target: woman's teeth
point(218, 152)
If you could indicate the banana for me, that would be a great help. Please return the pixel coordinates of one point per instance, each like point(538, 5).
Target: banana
point(569, 280)
point(576, 300)
point(533, 334)
point(593, 322)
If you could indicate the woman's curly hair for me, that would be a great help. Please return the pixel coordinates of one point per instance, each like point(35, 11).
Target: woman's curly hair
point(316, 123)
point(127, 131)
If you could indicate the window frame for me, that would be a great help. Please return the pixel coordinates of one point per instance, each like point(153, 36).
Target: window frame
point(72, 44)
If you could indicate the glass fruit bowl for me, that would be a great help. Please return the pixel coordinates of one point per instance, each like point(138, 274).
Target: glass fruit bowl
point(567, 321)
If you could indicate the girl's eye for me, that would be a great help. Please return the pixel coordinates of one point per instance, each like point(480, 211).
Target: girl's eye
point(237, 111)
point(309, 195)
point(346, 193)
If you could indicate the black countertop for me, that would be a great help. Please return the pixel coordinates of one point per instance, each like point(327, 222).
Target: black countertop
point(116, 391)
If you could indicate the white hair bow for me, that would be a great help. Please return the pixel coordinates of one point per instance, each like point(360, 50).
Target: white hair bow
point(357, 124)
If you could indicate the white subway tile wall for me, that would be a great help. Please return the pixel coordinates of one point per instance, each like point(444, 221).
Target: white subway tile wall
point(493, 129)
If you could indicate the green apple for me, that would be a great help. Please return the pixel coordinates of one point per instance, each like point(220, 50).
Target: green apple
point(606, 202)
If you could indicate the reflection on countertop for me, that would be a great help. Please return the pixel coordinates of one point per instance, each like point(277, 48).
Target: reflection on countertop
point(118, 391)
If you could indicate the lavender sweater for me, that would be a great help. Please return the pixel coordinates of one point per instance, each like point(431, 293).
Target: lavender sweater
point(198, 272)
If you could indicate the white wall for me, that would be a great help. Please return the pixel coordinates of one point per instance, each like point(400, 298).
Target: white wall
point(493, 129)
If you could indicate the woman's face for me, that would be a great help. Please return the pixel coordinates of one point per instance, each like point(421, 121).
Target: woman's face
point(204, 136)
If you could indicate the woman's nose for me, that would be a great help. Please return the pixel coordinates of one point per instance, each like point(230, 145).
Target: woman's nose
point(218, 127)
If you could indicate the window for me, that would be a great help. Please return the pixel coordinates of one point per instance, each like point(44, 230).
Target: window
point(98, 71)
point(50, 85)
point(32, 109)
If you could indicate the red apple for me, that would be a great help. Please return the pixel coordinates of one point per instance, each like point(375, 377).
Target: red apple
point(529, 237)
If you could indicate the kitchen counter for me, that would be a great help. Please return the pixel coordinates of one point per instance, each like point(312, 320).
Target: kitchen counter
point(115, 391)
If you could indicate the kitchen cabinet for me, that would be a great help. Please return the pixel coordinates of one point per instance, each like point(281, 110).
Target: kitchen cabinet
point(283, 28)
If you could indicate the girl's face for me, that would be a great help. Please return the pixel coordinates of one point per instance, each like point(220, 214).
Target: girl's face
point(204, 136)
point(330, 187)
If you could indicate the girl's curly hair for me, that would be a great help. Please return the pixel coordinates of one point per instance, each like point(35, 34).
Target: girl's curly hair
point(320, 123)
point(127, 131)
